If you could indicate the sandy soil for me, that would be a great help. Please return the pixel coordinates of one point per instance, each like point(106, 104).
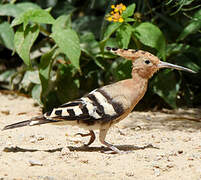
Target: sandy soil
point(163, 145)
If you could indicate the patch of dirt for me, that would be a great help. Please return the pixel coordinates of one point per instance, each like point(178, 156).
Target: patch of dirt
point(163, 145)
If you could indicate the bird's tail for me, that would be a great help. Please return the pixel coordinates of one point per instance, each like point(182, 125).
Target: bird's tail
point(31, 122)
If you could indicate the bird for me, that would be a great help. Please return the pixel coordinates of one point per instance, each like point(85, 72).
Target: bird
point(107, 105)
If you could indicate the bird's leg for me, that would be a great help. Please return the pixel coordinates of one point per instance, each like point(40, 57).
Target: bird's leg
point(102, 136)
point(92, 138)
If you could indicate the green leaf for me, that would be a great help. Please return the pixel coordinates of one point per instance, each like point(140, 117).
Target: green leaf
point(124, 35)
point(30, 77)
point(33, 15)
point(150, 35)
point(6, 35)
point(69, 44)
point(35, 93)
point(9, 10)
point(62, 22)
point(129, 20)
point(16, 9)
point(192, 27)
point(25, 6)
point(7, 75)
point(109, 31)
point(45, 67)
point(129, 11)
point(168, 91)
point(24, 40)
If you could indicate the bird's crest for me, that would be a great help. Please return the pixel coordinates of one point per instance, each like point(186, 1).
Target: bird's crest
point(131, 54)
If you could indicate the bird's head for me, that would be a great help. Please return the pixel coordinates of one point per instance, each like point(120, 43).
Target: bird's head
point(145, 63)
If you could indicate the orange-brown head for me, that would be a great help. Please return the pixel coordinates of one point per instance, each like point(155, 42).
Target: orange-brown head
point(145, 63)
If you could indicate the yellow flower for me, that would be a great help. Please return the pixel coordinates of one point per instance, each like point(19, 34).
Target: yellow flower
point(123, 8)
point(115, 15)
point(116, 10)
point(119, 8)
point(109, 18)
point(121, 20)
point(113, 6)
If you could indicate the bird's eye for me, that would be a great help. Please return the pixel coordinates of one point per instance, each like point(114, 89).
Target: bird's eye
point(147, 61)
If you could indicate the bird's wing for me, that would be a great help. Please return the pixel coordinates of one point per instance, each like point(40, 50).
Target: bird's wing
point(97, 105)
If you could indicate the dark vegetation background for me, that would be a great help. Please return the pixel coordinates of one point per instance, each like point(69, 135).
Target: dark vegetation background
point(56, 55)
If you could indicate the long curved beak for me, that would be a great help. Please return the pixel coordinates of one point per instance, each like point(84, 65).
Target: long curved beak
point(173, 66)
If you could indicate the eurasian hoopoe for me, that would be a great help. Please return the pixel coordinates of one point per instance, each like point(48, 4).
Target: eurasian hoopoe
point(108, 105)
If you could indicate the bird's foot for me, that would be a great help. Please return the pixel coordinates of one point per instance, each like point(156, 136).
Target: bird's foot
point(92, 138)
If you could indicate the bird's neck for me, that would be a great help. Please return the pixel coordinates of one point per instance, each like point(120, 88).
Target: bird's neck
point(134, 89)
point(139, 87)
point(127, 92)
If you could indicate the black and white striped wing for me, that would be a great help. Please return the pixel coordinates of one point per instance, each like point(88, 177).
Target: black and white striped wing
point(96, 106)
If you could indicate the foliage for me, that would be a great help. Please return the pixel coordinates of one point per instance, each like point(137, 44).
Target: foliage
point(62, 45)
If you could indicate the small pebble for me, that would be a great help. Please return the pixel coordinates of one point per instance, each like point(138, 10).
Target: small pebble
point(121, 133)
point(65, 151)
point(171, 165)
point(147, 158)
point(35, 163)
point(33, 140)
point(156, 172)
point(36, 138)
point(156, 165)
point(172, 153)
point(190, 165)
point(6, 112)
point(40, 138)
point(190, 158)
point(187, 139)
point(84, 161)
point(130, 174)
point(157, 158)
point(180, 151)
point(164, 139)
point(138, 128)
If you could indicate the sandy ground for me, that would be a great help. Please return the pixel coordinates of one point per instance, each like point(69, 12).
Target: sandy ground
point(163, 145)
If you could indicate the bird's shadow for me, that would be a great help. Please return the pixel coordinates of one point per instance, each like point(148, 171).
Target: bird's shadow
point(125, 148)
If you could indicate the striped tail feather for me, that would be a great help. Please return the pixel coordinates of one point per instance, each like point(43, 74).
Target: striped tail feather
point(31, 122)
